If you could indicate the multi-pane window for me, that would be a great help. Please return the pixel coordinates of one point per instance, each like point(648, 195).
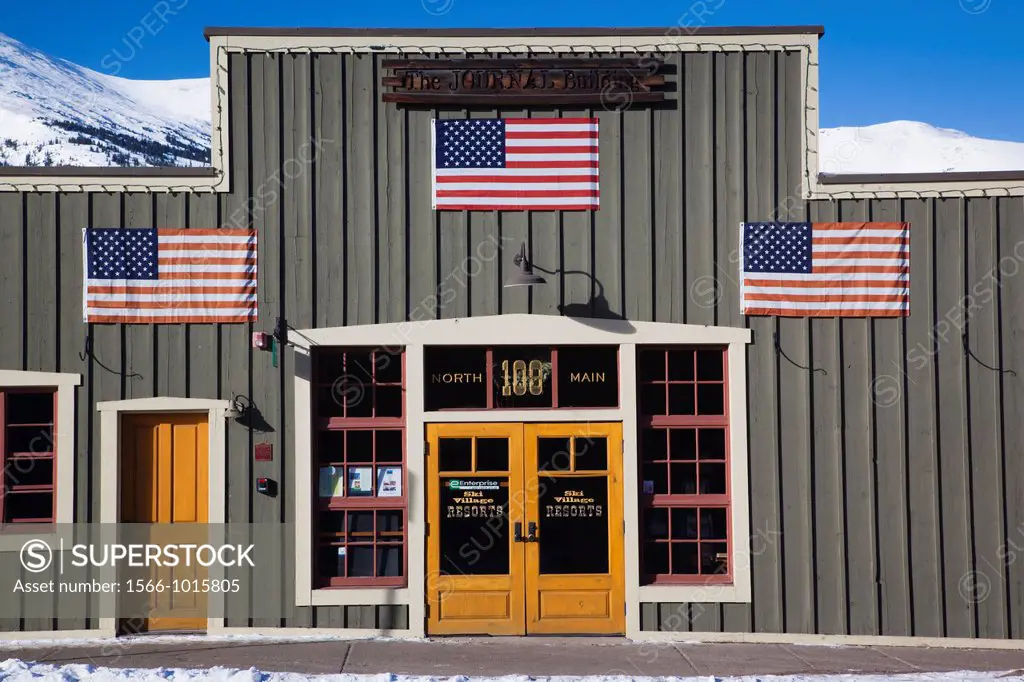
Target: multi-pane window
point(684, 460)
point(359, 422)
point(28, 454)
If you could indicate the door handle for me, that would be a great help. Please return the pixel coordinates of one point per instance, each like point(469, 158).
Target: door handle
point(531, 532)
point(518, 534)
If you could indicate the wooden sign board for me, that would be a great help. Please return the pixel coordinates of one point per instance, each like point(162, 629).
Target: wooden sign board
point(501, 82)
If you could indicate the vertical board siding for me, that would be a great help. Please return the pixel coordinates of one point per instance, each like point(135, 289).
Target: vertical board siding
point(884, 487)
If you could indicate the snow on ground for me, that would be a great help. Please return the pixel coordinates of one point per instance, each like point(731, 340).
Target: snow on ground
point(14, 670)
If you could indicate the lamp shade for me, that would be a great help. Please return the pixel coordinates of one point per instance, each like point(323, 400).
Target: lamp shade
point(524, 278)
point(524, 275)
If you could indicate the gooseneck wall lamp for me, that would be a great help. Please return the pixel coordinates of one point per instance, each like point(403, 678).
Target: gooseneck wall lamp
point(524, 276)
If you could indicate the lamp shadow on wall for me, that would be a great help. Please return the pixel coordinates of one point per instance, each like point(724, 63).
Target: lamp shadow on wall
point(596, 312)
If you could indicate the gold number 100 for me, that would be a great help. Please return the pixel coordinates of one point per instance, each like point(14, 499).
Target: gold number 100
point(522, 381)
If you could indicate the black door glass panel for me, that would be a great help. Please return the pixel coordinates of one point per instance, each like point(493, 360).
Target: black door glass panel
point(588, 376)
point(684, 444)
point(492, 454)
point(711, 398)
point(359, 366)
point(591, 453)
point(522, 376)
point(573, 529)
point(712, 443)
point(454, 377)
point(455, 454)
point(652, 365)
point(553, 455)
point(474, 527)
point(709, 365)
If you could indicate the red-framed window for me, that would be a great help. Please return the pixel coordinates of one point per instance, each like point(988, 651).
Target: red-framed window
point(361, 512)
point(28, 453)
point(684, 465)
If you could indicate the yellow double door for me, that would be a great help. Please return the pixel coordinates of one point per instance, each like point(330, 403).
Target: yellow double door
point(524, 529)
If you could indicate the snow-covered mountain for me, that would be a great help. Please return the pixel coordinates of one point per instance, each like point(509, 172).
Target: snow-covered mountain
point(53, 112)
point(911, 147)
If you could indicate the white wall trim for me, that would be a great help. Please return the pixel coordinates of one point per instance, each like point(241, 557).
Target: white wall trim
point(110, 452)
point(65, 442)
point(511, 330)
point(664, 40)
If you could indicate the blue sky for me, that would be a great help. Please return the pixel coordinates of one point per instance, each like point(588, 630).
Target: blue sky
point(952, 63)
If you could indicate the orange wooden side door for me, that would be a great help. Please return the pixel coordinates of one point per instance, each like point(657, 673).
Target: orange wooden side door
point(164, 480)
point(575, 581)
point(475, 578)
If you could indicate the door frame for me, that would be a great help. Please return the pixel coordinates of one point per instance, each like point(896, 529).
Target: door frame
point(110, 472)
point(529, 582)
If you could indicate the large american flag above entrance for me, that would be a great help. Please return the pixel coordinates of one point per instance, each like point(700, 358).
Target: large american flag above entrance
point(516, 164)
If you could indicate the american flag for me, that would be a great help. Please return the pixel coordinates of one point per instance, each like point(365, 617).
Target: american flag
point(825, 269)
point(515, 164)
point(169, 276)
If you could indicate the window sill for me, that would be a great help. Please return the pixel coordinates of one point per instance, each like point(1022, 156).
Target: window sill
point(13, 538)
point(730, 593)
point(359, 596)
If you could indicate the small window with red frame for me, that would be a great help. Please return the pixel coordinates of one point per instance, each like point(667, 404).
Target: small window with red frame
point(359, 419)
point(684, 461)
point(28, 452)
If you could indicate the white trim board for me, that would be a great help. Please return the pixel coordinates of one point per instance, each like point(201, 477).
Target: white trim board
point(547, 330)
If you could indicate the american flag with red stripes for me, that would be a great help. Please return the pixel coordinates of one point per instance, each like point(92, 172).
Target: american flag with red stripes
point(825, 269)
point(515, 164)
point(157, 276)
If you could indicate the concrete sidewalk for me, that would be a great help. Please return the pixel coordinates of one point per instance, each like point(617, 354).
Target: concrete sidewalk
point(513, 655)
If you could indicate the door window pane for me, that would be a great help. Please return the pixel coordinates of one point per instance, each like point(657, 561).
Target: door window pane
point(474, 534)
point(573, 528)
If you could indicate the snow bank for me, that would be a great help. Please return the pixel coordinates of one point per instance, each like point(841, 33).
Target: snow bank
point(14, 670)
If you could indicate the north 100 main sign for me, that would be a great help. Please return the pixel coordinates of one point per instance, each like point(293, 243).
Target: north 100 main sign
point(518, 377)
